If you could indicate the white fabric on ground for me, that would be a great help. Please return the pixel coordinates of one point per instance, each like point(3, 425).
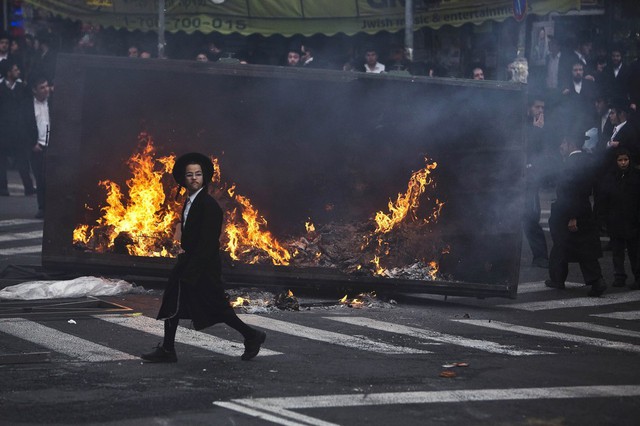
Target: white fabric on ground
point(79, 287)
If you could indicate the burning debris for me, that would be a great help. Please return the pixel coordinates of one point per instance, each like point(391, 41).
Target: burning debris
point(260, 302)
point(362, 300)
point(398, 243)
point(263, 302)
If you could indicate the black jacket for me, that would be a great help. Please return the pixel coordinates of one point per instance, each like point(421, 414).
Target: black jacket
point(194, 290)
point(619, 203)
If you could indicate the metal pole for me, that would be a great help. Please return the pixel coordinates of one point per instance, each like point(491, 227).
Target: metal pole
point(5, 13)
point(408, 29)
point(161, 26)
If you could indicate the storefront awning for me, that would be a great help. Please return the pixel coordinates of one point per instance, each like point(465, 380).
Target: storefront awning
point(290, 17)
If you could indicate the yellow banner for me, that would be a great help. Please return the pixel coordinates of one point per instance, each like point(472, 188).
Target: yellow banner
point(289, 17)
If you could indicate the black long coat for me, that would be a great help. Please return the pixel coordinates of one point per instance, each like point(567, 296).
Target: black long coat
point(194, 290)
point(619, 206)
point(10, 101)
point(574, 189)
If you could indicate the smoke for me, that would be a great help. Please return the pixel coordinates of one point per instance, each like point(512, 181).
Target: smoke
point(329, 146)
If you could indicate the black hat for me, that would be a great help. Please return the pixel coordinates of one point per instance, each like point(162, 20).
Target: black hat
point(620, 104)
point(192, 158)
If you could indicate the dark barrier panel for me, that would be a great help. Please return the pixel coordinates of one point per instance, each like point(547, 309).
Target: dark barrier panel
point(328, 145)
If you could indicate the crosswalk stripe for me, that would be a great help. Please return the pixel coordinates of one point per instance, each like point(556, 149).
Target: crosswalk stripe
point(16, 236)
point(21, 250)
point(273, 415)
point(580, 302)
point(355, 342)
point(530, 331)
point(538, 286)
point(14, 222)
point(423, 333)
point(439, 397)
point(58, 341)
point(630, 315)
point(598, 328)
point(184, 335)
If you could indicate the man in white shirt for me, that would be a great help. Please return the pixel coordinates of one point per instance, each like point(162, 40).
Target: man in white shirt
point(36, 126)
point(371, 64)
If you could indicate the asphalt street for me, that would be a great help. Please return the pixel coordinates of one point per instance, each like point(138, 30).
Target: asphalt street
point(549, 357)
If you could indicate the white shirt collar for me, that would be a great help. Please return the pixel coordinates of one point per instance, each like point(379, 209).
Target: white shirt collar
point(195, 194)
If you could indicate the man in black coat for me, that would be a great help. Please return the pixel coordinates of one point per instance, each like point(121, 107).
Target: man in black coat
point(624, 134)
point(535, 173)
point(12, 94)
point(619, 212)
point(34, 130)
point(573, 227)
point(194, 290)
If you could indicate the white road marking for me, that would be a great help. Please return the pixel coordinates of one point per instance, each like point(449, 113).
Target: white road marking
point(21, 250)
point(579, 302)
point(15, 222)
point(538, 286)
point(17, 236)
point(630, 315)
point(184, 335)
point(423, 333)
point(58, 341)
point(273, 414)
point(530, 331)
point(279, 409)
point(598, 328)
point(355, 342)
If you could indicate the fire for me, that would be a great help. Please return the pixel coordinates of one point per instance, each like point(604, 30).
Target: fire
point(251, 233)
point(144, 219)
point(240, 301)
point(379, 270)
point(407, 203)
point(433, 269)
point(358, 301)
point(309, 226)
point(141, 220)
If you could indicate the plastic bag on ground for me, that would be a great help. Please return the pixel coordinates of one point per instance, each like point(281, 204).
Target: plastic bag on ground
point(79, 287)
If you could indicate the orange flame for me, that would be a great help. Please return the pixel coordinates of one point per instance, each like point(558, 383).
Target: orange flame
point(433, 269)
point(407, 203)
point(240, 301)
point(248, 234)
point(309, 226)
point(146, 216)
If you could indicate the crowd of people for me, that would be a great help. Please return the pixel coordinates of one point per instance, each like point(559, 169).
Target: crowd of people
point(583, 136)
point(24, 113)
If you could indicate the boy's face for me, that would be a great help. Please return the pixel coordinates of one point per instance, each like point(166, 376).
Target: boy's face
point(623, 161)
point(193, 177)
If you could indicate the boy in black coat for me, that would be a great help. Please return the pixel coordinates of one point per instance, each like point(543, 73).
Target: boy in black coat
point(194, 290)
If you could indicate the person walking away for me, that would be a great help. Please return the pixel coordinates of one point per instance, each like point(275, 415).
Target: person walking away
point(536, 140)
point(194, 290)
point(573, 227)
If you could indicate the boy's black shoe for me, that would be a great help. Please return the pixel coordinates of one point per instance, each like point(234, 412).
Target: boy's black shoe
point(252, 346)
point(597, 288)
point(160, 354)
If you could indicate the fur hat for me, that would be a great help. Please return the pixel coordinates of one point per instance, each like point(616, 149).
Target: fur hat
point(192, 158)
